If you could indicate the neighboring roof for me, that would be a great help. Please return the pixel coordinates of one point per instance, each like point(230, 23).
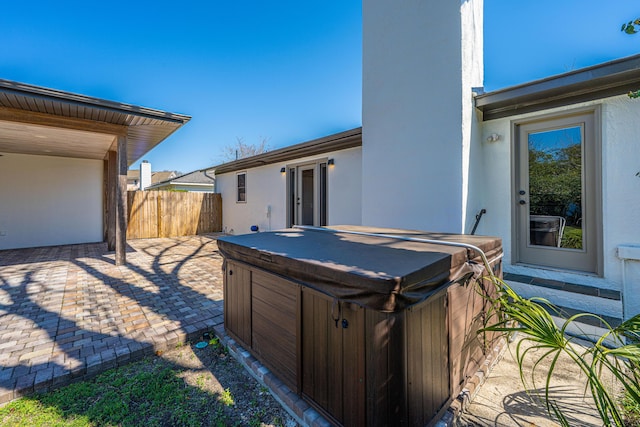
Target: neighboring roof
point(60, 113)
point(134, 175)
point(339, 141)
point(161, 176)
point(196, 177)
point(596, 82)
point(199, 177)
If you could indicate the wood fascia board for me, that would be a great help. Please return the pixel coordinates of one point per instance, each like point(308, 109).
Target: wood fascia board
point(524, 106)
point(25, 91)
point(597, 82)
point(43, 119)
point(342, 141)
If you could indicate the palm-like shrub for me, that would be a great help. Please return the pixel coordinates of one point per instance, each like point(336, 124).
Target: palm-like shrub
point(617, 352)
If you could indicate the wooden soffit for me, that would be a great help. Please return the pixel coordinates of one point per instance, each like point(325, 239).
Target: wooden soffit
point(37, 120)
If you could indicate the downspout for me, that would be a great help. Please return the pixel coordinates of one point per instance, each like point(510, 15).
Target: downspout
point(204, 171)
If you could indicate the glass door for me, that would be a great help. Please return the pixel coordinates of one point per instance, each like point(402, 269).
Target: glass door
point(556, 193)
point(307, 194)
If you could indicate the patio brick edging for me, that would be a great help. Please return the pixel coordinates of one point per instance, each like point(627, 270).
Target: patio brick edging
point(295, 406)
point(471, 388)
point(306, 416)
point(49, 379)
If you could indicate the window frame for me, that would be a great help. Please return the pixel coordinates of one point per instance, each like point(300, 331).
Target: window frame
point(238, 187)
point(592, 178)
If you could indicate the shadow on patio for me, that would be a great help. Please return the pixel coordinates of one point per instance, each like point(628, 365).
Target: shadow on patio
point(68, 313)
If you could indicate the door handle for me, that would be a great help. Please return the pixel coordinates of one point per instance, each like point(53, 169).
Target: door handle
point(522, 202)
point(522, 192)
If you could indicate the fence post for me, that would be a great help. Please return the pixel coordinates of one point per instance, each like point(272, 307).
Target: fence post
point(159, 213)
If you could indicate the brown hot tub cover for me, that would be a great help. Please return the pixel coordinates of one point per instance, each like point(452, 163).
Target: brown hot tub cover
point(379, 273)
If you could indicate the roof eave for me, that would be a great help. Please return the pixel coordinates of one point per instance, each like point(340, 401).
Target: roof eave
point(146, 127)
point(34, 91)
point(596, 82)
point(339, 141)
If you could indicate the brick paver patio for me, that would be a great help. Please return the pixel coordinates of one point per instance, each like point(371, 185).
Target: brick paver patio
point(68, 313)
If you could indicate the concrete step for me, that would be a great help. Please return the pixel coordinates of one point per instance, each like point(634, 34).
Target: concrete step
point(570, 299)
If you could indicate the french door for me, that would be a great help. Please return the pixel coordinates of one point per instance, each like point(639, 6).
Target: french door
point(307, 194)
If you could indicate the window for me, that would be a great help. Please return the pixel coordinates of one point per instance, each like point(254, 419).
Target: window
point(242, 187)
point(557, 198)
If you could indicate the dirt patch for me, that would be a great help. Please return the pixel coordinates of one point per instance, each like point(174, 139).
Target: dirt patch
point(239, 399)
point(503, 402)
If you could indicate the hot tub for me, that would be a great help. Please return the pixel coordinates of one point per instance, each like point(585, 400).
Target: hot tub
point(369, 329)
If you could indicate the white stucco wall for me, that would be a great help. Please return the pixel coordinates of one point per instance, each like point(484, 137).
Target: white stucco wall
point(420, 60)
point(48, 201)
point(472, 77)
point(620, 190)
point(266, 186)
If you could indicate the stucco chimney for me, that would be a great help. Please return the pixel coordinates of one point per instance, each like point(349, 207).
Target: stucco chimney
point(421, 60)
point(145, 174)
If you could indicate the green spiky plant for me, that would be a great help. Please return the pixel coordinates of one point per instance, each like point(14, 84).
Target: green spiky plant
point(616, 352)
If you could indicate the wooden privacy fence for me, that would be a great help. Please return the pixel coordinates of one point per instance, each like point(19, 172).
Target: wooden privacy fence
point(171, 214)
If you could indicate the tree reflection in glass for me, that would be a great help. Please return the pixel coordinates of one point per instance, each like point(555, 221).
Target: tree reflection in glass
point(555, 188)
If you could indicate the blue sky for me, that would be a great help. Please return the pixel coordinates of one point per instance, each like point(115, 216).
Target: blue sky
point(288, 71)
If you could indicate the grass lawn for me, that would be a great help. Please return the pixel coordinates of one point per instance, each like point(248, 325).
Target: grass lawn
point(631, 411)
point(183, 387)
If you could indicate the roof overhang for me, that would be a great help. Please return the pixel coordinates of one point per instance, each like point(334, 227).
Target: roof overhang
point(42, 121)
point(339, 141)
point(599, 81)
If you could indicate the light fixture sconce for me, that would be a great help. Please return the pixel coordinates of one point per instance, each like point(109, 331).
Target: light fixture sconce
point(494, 137)
point(331, 162)
point(283, 170)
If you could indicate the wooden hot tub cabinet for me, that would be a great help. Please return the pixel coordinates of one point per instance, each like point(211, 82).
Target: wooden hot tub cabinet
point(362, 355)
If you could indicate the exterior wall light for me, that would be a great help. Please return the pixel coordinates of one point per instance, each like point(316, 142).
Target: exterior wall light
point(494, 137)
point(330, 162)
point(283, 170)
